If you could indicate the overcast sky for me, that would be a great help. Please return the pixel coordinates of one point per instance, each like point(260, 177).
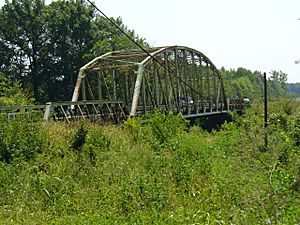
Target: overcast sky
point(259, 35)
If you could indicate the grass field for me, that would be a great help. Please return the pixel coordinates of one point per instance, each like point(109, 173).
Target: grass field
point(160, 171)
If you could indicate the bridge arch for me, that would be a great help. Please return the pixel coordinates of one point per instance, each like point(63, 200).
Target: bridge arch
point(174, 78)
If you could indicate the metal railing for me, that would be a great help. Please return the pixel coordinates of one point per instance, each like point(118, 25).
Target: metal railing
point(113, 111)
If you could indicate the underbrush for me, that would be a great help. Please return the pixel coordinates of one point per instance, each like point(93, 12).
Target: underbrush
point(152, 170)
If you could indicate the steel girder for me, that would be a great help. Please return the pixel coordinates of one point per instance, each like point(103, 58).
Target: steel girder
point(174, 78)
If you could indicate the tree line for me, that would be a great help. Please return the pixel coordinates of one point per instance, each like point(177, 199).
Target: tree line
point(42, 47)
point(242, 82)
point(294, 90)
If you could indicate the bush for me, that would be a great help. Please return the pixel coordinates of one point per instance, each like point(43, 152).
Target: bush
point(159, 175)
point(158, 129)
point(11, 92)
point(79, 138)
point(20, 139)
point(97, 140)
point(295, 133)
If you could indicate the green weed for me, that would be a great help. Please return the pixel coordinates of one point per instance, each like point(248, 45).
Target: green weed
point(152, 170)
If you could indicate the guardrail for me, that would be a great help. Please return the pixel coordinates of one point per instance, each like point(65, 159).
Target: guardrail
point(70, 111)
point(108, 111)
point(32, 111)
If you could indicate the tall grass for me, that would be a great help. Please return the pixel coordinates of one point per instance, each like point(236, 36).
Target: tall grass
point(153, 170)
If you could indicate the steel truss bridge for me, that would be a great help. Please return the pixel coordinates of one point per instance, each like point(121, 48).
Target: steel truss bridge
point(126, 83)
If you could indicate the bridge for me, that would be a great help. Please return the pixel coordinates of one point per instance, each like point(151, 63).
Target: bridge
point(126, 83)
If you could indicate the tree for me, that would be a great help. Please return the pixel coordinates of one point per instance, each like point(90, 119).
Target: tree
point(293, 90)
point(278, 83)
point(22, 37)
point(11, 92)
point(245, 83)
point(71, 36)
point(109, 38)
point(44, 46)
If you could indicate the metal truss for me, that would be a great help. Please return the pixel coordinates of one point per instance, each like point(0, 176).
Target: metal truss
point(175, 78)
point(130, 83)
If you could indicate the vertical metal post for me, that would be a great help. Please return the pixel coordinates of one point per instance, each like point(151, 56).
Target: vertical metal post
point(156, 85)
point(194, 83)
point(99, 86)
point(185, 78)
point(83, 89)
point(208, 87)
point(166, 88)
point(137, 89)
point(230, 85)
point(126, 88)
point(48, 111)
point(215, 90)
point(223, 100)
point(78, 84)
point(114, 85)
point(177, 80)
point(201, 83)
point(218, 96)
point(144, 95)
point(265, 111)
point(230, 92)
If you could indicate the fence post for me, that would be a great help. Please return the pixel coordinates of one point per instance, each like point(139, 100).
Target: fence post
point(265, 112)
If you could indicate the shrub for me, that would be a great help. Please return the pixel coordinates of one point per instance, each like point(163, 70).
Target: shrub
point(158, 129)
point(164, 127)
point(134, 126)
point(97, 140)
point(11, 92)
point(79, 138)
point(20, 139)
point(295, 133)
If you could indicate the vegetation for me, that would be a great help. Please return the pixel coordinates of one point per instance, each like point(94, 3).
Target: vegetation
point(245, 83)
point(45, 54)
point(11, 92)
point(154, 169)
point(294, 90)
point(43, 46)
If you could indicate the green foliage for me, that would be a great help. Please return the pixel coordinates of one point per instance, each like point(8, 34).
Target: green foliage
point(20, 139)
point(97, 140)
point(22, 35)
point(45, 54)
point(159, 129)
point(163, 129)
point(242, 83)
point(134, 126)
point(154, 170)
point(79, 138)
point(11, 92)
point(295, 132)
point(293, 90)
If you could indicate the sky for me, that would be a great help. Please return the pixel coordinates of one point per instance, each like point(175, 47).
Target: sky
point(261, 35)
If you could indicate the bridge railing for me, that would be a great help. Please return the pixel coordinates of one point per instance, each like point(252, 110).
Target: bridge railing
point(187, 108)
point(238, 104)
point(113, 111)
point(28, 111)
